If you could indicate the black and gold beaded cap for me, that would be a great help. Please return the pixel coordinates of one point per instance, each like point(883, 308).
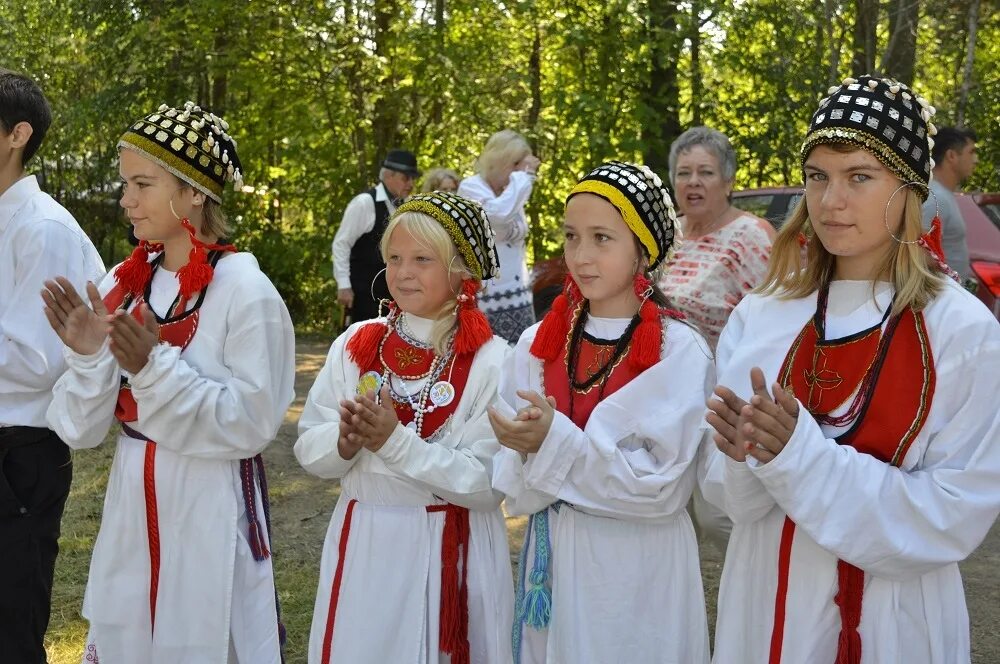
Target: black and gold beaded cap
point(467, 226)
point(882, 116)
point(191, 143)
point(643, 201)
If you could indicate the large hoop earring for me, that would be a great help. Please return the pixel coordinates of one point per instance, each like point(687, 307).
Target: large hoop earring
point(172, 211)
point(885, 214)
point(371, 291)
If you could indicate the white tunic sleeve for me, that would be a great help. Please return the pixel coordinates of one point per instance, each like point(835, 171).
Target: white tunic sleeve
point(234, 416)
point(457, 467)
point(83, 399)
point(319, 424)
point(895, 523)
point(635, 459)
point(729, 484)
point(359, 218)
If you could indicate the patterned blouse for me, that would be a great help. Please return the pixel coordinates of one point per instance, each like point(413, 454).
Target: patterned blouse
point(709, 275)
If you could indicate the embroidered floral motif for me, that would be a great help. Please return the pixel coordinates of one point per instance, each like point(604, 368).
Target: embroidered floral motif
point(92, 654)
point(406, 357)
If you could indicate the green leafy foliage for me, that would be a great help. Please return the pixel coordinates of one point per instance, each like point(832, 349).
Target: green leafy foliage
point(317, 90)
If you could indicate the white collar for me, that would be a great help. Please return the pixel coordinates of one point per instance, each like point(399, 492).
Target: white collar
point(12, 200)
point(417, 327)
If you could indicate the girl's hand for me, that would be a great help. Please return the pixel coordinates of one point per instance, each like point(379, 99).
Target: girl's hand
point(374, 422)
point(82, 328)
point(524, 433)
point(768, 423)
point(349, 442)
point(131, 343)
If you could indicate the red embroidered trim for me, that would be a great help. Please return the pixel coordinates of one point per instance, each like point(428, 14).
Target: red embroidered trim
point(338, 577)
point(152, 528)
point(781, 595)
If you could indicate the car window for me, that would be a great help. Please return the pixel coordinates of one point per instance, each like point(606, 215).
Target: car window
point(757, 204)
point(992, 211)
point(793, 200)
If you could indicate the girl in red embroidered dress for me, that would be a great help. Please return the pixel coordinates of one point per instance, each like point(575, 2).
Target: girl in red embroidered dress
point(415, 565)
point(189, 346)
point(860, 477)
point(602, 453)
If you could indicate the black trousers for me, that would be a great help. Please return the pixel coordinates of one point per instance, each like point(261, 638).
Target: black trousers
point(35, 474)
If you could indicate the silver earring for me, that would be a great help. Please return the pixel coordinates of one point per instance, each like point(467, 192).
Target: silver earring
point(371, 291)
point(885, 214)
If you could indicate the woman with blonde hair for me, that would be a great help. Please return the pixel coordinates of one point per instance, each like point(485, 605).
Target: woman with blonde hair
point(415, 567)
point(188, 345)
point(440, 179)
point(505, 175)
point(868, 469)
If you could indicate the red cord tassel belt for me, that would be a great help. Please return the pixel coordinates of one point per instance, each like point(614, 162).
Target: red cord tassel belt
point(453, 632)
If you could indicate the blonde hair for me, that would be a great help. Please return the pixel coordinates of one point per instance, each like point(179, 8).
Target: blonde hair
point(503, 148)
point(906, 263)
point(435, 177)
point(432, 236)
point(213, 220)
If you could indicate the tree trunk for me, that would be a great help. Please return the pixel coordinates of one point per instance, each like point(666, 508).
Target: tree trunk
point(865, 28)
point(697, 84)
point(970, 56)
point(385, 123)
point(899, 59)
point(659, 99)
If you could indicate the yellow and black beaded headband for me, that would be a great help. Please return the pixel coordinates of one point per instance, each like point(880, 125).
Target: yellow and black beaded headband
point(643, 201)
point(466, 224)
point(883, 117)
point(191, 143)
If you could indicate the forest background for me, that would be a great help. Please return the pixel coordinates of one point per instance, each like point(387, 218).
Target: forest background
point(316, 91)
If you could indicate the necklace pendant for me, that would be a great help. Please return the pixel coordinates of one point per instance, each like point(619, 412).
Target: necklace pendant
point(370, 381)
point(442, 393)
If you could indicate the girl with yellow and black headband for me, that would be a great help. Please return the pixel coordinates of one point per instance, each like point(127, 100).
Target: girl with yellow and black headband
point(855, 417)
point(603, 450)
point(189, 346)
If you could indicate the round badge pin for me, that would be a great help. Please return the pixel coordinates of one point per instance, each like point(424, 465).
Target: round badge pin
point(370, 381)
point(442, 393)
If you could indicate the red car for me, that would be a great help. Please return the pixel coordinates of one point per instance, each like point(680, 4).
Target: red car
point(981, 213)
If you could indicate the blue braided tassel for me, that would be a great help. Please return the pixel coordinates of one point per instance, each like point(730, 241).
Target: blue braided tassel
point(534, 606)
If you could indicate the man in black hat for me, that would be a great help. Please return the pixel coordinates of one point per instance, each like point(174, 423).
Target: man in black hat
point(357, 262)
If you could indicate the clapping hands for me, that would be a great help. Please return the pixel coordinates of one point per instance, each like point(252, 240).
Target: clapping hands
point(366, 422)
point(760, 428)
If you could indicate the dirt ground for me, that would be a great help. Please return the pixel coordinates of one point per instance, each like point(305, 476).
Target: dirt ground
point(301, 508)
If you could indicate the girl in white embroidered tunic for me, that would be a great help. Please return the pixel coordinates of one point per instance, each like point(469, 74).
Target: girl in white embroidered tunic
point(187, 344)
point(415, 565)
point(605, 461)
point(861, 477)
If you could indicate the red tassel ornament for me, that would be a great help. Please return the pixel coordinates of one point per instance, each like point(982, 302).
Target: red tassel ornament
point(647, 339)
point(134, 272)
point(197, 273)
point(363, 346)
point(931, 241)
point(473, 328)
point(552, 333)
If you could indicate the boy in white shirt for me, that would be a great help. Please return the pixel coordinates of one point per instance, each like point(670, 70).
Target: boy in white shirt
point(38, 239)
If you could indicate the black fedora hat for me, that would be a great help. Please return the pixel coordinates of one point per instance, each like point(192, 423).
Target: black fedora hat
point(403, 161)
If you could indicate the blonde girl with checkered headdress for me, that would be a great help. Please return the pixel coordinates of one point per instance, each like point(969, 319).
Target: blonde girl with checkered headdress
point(187, 345)
point(602, 452)
point(855, 418)
point(415, 565)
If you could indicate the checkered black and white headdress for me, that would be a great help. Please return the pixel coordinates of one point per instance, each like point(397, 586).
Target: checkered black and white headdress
point(467, 226)
point(643, 201)
point(885, 118)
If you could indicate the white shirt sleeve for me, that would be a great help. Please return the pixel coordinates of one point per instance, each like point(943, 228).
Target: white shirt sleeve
point(31, 354)
point(504, 211)
point(728, 484)
point(359, 218)
point(637, 457)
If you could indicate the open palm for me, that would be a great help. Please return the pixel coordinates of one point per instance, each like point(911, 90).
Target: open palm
point(82, 327)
